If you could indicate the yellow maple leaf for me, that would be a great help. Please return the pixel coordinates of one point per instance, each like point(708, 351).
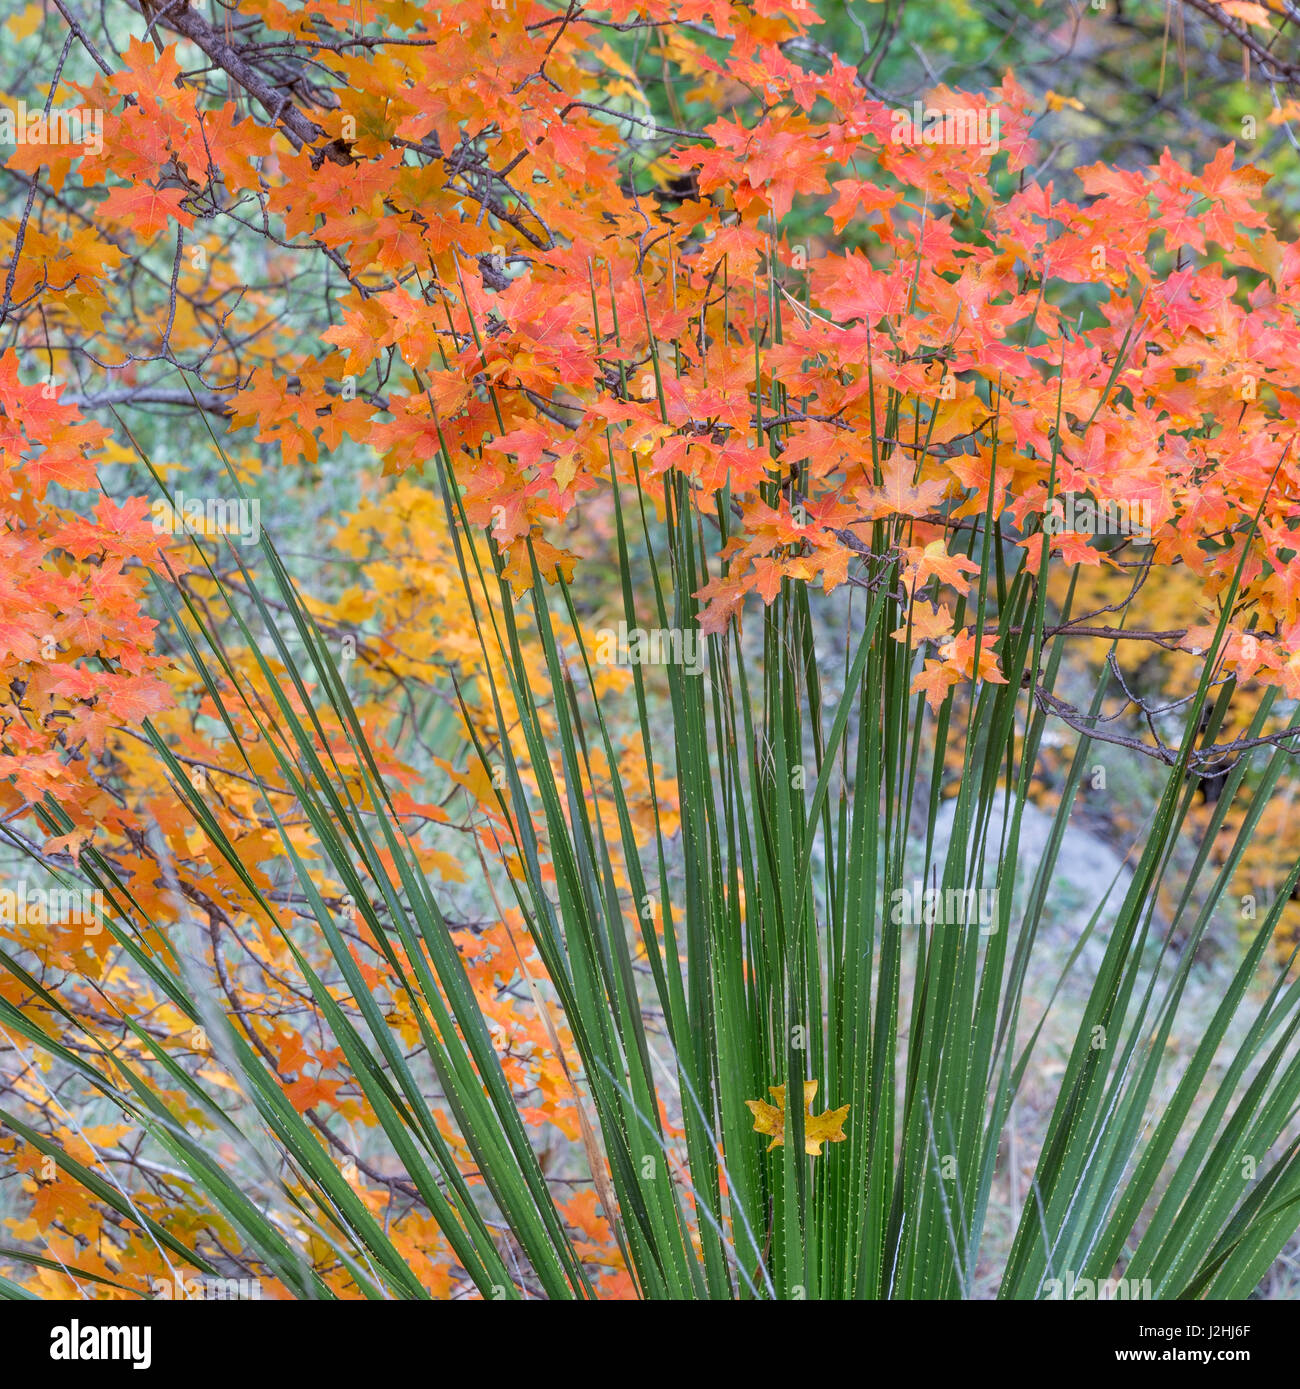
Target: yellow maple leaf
point(929, 622)
point(826, 1127)
point(1057, 102)
point(26, 22)
point(1247, 12)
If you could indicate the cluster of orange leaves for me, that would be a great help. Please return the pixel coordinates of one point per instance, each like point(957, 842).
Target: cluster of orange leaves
point(503, 295)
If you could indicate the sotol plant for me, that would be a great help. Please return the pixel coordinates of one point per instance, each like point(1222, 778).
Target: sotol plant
point(777, 1086)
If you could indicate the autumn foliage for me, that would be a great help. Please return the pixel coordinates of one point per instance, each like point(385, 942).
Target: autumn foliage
point(460, 233)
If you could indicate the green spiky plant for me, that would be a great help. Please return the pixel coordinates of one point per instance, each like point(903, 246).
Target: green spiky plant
point(773, 959)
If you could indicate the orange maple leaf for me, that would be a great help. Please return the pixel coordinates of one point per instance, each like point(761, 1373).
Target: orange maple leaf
point(934, 561)
point(935, 681)
point(899, 496)
point(146, 210)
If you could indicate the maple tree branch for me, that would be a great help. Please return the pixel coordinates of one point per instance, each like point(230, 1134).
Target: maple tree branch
point(1216, 757)
point(83, 39)
point(210, 401)
point(1270, 65)
point(799, 417)
point(274, 99)
point(21, 238)
point(276, 96)
point(1168, 639)
point(656, 127)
